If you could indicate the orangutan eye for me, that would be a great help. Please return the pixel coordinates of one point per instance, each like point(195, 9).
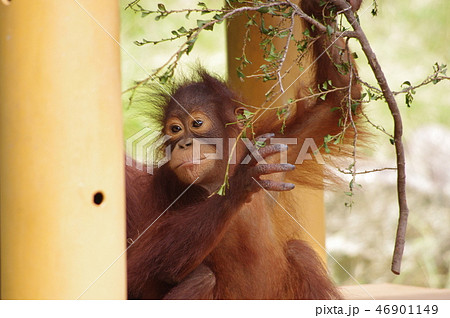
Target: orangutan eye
point(197, 123)
point(175, 128)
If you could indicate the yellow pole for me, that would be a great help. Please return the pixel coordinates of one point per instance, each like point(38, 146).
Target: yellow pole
point(62, 180)
point(307, 205)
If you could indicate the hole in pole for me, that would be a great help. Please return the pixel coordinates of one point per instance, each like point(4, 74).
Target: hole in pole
point(98, 198)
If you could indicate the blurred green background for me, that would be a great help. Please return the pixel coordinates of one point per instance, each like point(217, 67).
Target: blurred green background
point(408, 36)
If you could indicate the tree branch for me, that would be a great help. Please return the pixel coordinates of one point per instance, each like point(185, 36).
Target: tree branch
point(398, 132)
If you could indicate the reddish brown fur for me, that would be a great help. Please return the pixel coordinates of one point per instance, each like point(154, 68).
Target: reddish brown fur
point(244, 253)
point(230, 247)
point(315, 118)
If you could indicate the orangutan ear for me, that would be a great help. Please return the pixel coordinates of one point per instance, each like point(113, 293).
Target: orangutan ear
point(240, 118)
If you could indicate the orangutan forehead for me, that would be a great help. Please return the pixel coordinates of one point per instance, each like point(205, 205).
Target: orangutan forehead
point(191, 109)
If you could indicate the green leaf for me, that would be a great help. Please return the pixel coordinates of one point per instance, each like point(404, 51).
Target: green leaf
point(302, 46)
point(407, 83)
point(260, 144)
point(283, 34)
point(375, 8)
point(342, 68)
point(250, 22)
point(354, 107)
point(190, 45)
point(219, 18)
point(222, 189)
point(338, 139)
point(409, 99)
point(201, 23)
point(263, 29)
point(265, 41)
point(163, 78)
point(272, 54)
point(330, 30)
point(248, 114)
point(326, 140)
point(267, 77)
point(281, 112)
point(263, 10)
point(161, 7)
point(350, 185)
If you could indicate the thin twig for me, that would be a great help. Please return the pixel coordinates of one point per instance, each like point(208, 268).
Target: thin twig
point(368, 85)
point(292, 101)
point(271, 91)
point(365, 171)
point(320, 27)
point(427, 81)
point(193, 34)
point(285, 52)
point(378, 127)
point(350, 115)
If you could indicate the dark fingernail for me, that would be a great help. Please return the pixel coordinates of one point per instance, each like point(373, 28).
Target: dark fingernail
point(290, 186)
